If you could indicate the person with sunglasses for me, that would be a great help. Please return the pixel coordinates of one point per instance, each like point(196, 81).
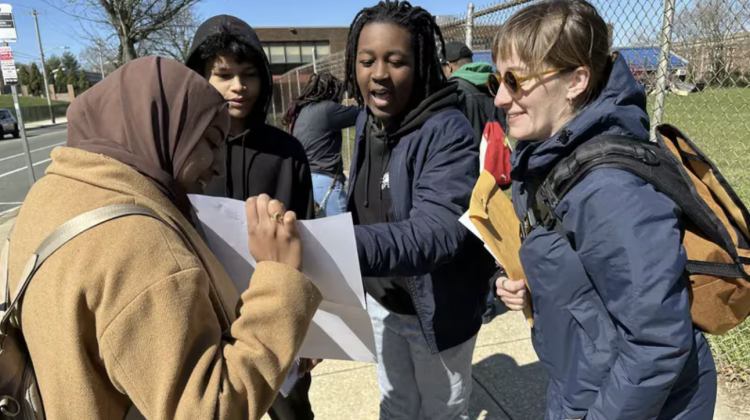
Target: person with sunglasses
point(611, 308)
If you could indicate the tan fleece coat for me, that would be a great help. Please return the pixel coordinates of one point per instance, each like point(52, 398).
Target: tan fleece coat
point(129, 312)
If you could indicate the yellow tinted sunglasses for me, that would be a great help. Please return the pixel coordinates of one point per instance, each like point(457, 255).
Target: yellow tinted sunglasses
point(513, 81)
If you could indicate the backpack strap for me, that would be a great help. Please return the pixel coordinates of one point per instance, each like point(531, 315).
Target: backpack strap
point(653, 163)
point(57, 239)
point(601, 152)
point(4, 256)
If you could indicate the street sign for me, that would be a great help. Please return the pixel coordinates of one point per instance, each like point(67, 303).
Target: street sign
point(6, 53)
point(7, 24)
point(10, 76)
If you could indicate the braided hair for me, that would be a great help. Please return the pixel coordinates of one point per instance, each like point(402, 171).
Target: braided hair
point(425, 38)
point(321, 87)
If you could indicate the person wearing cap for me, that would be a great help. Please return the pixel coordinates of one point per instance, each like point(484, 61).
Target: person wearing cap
point(475, 100)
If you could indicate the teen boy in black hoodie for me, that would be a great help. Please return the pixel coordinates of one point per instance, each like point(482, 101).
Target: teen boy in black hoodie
point(261, 159)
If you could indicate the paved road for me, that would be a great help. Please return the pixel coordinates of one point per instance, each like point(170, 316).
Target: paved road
point(14, 177)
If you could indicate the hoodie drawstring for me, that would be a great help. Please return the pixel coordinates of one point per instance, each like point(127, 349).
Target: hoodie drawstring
point(367, 164)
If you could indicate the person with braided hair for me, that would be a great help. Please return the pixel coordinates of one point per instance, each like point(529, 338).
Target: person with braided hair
point(316, 119)
point(415, 163)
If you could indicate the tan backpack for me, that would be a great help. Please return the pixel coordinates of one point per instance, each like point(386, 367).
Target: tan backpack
point(715, 220)
point(19, 392)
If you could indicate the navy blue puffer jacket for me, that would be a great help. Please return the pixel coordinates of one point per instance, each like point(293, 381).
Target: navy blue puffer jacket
point(611, 307)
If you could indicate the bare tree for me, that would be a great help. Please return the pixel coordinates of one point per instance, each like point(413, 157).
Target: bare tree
point(705, 32)
point(174, 40)
point(89, 58)
point(128, 22)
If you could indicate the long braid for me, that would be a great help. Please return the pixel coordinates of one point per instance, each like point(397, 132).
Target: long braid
point(425, 38)
point(321, 87)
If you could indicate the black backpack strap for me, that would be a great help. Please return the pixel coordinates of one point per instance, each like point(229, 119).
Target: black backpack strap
point(652, 162)
point(601, 152)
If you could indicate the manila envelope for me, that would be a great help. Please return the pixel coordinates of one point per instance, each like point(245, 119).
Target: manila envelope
point(492, 213)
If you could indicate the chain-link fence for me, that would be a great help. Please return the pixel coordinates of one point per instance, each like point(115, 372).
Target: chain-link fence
point(692, 56)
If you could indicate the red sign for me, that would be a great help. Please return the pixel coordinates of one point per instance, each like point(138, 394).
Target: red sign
point(6, 53)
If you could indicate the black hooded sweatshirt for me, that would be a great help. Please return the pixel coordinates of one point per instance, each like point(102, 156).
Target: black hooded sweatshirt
point(372, 203)
point(263, 159)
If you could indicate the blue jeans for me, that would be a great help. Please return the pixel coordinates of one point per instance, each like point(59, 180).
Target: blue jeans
point(415, 384)
point(336, 203)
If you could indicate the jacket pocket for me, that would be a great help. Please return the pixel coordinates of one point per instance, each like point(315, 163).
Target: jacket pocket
point(596, 337)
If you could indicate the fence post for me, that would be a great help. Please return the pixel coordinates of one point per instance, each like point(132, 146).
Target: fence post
point(315, 61)
point(299, 87)
point(273, 106)
point(281, 88)
point(470, 26)
point(291, 96)
point(663, 69)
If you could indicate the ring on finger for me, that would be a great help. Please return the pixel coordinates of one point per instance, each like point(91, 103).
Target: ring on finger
point(277, 217)
point(503, 284)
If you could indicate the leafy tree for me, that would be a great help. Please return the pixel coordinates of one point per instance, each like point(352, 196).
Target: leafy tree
point(23, 75)
point(51, 64)
point(71, 78)
point(36, 81)
point(83, 83)
point(70, 62)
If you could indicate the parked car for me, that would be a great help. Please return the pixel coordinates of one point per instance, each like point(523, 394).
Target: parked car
point(8, 124)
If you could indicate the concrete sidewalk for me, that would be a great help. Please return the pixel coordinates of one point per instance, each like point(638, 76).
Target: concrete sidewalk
point(45, 123)
point(509, 382)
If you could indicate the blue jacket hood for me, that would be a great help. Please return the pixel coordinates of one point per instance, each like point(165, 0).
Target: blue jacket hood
point(619, 110)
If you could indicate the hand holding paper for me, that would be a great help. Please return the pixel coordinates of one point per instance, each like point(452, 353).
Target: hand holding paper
point(272, 232)
point(494, 221)
point(512, 293)
point(341, 328)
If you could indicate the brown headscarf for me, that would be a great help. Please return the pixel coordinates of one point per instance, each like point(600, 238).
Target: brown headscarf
point(149, 114)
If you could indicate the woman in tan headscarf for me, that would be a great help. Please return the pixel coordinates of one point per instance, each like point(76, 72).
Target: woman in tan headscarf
point(138, 312)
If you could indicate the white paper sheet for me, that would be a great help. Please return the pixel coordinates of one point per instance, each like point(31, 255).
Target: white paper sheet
point(341, 328)
point(466, 221)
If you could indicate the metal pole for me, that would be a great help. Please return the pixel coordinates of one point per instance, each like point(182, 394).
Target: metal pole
point(470, 26)
point(281, 88)
point(299, 87)
point(22, 129)
point(315, 61)
point(101, 62)
point(661, 72)
point(44, 68)
point(291, 97)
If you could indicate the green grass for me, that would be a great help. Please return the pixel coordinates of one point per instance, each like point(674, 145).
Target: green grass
point(718, 121)
point(6, 101)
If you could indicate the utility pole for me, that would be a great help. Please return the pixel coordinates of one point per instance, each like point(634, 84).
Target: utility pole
point(101, 59)
point(44, 68)
point(101, 62)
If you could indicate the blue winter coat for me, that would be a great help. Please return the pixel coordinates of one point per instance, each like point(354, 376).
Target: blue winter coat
point(433, 170)
point(611, 308)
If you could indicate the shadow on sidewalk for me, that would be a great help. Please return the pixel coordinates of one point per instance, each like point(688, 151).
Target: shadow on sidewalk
point(519, 390)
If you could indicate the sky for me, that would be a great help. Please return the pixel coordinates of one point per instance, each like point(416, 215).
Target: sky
point(60, 30)
point(631, 18)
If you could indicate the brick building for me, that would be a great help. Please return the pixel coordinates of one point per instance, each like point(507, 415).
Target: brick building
point(292, 47)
